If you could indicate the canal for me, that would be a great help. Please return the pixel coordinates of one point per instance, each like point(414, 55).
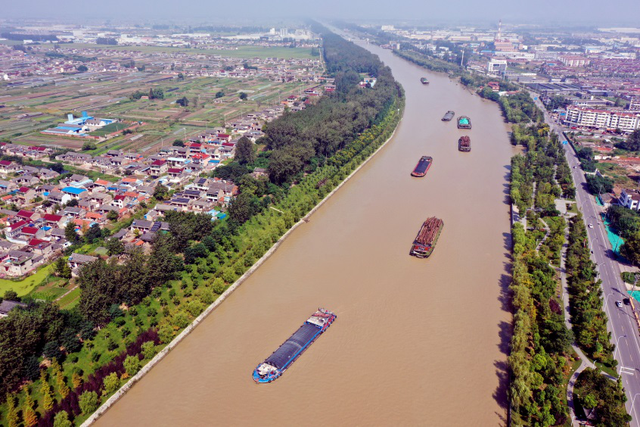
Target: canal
point(416, 342)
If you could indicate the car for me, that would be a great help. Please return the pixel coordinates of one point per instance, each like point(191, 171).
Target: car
point(590, 225)
point(619, 303)
point(626, 301)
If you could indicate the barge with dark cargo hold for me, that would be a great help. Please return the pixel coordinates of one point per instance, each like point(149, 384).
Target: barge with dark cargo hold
point(427, 237)
point(464, 122)
point(464, 143)
point(422, 167)
point(275, 365)
point(448, 116)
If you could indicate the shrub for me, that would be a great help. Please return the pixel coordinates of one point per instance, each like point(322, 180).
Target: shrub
point(194, 308)
point(88, 402)
point(62, 420)
point(111, 383)
point(206, 296)
point(219, 286)
point(165, 332)
point(148, 350)
point(131, 365)
point(180, 320)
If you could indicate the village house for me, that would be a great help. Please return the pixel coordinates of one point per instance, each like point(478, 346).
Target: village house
point(6, 306)
point(158, 167)
point(40, 247)
point(17, 263)
point(26, 194)
point(144, 226)
point(54, 221)
point(630, 199)
point(14, 229)
point(77, 261)
point(74, 192)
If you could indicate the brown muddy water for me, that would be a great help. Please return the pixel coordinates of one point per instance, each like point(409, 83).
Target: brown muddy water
point(416, 342)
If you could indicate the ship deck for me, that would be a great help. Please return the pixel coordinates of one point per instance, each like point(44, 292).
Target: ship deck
point(291, 347)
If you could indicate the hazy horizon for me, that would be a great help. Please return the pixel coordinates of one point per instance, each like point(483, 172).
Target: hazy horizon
point(255, 12)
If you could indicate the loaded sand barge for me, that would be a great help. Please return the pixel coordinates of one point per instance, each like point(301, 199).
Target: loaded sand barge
point(425, 241)
point(464, 143)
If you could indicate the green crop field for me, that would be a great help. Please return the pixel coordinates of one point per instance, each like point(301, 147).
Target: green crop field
point(113, 127)
point(70, 300)
point(26, 285)
point(240, 52)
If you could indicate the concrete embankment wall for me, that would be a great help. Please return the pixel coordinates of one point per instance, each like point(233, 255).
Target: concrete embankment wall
point(158, 357)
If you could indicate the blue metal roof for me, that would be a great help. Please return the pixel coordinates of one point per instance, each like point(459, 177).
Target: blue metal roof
point(73, 190)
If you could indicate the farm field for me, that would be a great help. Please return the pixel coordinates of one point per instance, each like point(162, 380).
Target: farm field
point(238, 52)
point(211, 100)
point(26, 285)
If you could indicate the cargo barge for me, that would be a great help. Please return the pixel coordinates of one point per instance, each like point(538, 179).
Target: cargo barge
point(464, 143)
point(424, 81)
point(464, 122)
point(427, 237)
point(275, 365)
point(422, 167)
point(448, 116)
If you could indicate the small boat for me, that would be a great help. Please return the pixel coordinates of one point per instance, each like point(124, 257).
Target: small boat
point(424, 81)
point(422, 167)
point(464, 122)
point(425, 241)
point(275, 365)
point(464, 143)
point(448, 116)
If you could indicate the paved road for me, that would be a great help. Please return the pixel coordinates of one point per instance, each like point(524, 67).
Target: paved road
point(622, 324)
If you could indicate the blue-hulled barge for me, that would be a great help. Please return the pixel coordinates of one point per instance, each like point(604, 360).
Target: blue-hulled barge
point(275, 365)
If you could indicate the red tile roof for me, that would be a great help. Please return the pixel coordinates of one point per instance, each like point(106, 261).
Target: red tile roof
point(18, 225)
point(25, 214)
point(29, 230)
point(52, 217)
point(36, 242)
point(158, 162)
point(94, 215)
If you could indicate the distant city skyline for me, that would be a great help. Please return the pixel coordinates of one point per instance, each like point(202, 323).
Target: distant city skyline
point(569, 13)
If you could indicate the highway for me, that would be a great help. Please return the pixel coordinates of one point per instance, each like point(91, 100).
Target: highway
point(622, 324)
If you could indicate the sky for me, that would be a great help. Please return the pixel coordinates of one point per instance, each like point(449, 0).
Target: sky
point(258, 12)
